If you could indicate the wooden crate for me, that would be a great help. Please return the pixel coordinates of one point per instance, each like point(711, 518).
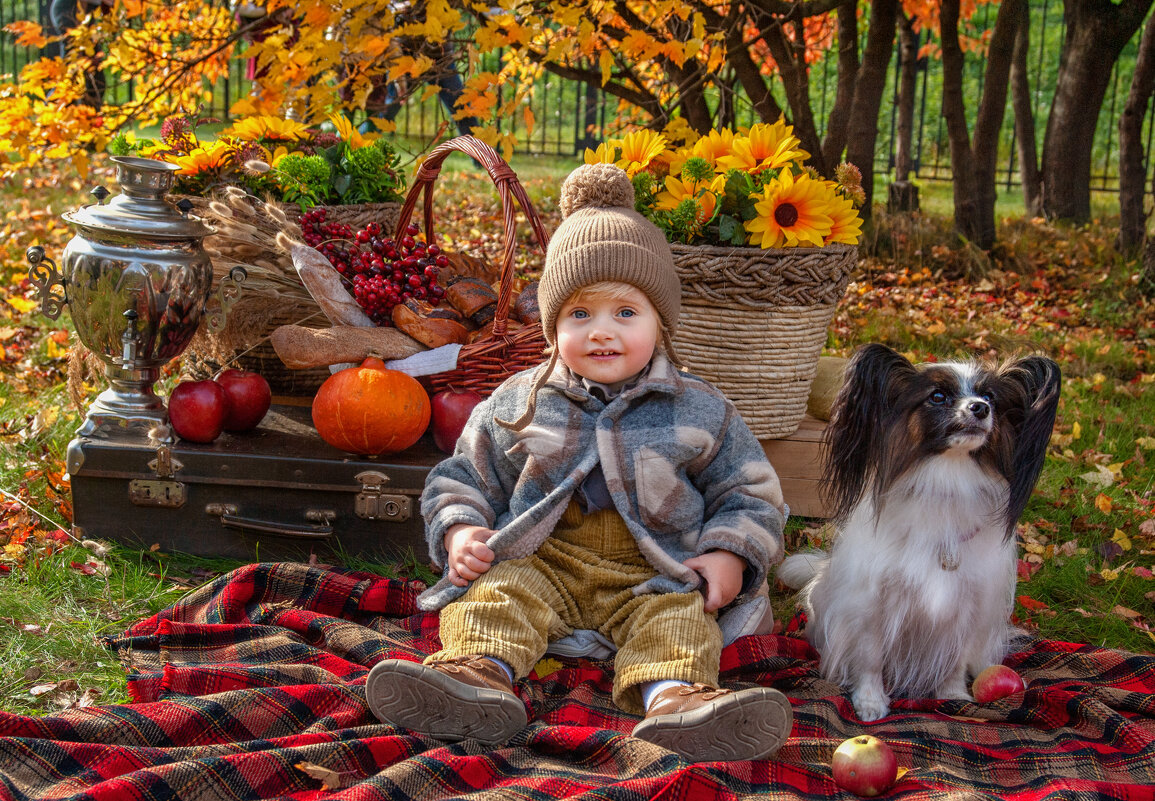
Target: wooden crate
point(798, 461)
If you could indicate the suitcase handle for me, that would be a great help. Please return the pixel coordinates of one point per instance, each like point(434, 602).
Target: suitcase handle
point(320, 530)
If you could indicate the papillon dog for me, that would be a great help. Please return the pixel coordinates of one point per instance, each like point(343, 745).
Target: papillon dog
point(926, 470)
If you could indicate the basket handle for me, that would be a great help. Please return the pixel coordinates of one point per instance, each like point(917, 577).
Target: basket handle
point(508, 189)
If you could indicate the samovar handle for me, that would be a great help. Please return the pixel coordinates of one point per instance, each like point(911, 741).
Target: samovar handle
point(46, 276)
point(227, 294)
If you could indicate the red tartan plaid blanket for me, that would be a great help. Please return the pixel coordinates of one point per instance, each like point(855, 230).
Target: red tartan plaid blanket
point(252, 688)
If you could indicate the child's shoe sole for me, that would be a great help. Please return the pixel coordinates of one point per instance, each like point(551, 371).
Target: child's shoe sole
point(747, 724)
point(427, 701)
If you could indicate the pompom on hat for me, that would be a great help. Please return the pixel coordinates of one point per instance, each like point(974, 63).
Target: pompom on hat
point(602, 238)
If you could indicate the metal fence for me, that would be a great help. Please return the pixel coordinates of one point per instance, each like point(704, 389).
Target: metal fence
point(570, 116)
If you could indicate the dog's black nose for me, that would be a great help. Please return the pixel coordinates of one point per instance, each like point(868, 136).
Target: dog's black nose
point(980, 409)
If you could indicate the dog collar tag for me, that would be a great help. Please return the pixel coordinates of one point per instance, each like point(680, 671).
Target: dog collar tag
point(949, 557)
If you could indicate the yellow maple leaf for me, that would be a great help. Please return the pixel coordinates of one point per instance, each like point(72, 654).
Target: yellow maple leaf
point(546, 667)
point(1076, 430)
point(1122, 539)
point(28, 33)
point(1108, 574)
point(22, 305)
point(54, 351)
point(1146, 443)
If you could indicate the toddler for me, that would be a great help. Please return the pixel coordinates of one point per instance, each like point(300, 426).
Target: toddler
point(604, 499)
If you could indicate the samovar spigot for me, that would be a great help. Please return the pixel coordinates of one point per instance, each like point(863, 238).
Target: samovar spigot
point(129, 340)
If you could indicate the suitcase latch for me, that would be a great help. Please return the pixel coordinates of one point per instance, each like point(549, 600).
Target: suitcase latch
point(151, 492)
point(373, 504)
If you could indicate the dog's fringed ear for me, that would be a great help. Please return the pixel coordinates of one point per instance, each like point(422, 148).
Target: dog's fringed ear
point(1027, 398)
point(854, 439)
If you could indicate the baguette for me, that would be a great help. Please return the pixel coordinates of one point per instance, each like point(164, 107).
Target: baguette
point(301, 348)
point(326, 286)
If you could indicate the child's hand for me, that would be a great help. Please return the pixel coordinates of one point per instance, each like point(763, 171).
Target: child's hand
point(722, 571)
point(469, 556)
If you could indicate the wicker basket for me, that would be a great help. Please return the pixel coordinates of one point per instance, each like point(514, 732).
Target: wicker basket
point(485, 363)
point(754, 321)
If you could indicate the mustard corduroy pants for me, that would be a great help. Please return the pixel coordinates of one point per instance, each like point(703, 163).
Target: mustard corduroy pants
point(582, 577)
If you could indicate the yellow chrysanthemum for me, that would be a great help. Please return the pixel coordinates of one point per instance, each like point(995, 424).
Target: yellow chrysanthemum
point(251, 129)
point(639, 149)
point(791, 212)
point(606, 153)
point(847, 223)
point(766, 147)
point(211, 157)
point(679, 189)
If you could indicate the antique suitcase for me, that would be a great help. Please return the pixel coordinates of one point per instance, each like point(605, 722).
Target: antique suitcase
point(277, 493)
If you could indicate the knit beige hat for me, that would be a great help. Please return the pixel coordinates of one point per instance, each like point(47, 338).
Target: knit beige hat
point(602, 238)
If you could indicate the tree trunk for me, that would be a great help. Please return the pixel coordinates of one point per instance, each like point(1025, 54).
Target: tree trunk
point(966, 206)
point(838, 120)
point(1029, 174)
point(791, 61)
point(1132, 172)
point(907, 78)
point(868, 89)
point(1097, 31)
point(992, 109)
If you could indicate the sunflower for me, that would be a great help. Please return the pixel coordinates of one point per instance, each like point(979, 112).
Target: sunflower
point(714, 145)
point(605, 154)
point(791, 212)
point(766, 147)
point(214, 157)
point(267, 127)
point(639, 149)
point(847, 224)
point(681, 189)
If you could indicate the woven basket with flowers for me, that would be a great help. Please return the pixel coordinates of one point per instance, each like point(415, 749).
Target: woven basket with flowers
point(764, 247)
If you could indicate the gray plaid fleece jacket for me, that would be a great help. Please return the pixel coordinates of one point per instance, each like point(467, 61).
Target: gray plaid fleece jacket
point(682, 468)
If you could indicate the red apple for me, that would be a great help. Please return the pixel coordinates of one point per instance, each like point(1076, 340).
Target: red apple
point(864, 765)
point(451, 409)
point(197, 409)
point(995, 682)
point(249, 398)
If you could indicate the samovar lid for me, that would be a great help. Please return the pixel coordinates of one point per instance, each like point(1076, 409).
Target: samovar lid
point(142, 208)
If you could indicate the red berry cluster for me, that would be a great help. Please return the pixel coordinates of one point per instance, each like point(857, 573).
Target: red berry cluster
point(383, 272)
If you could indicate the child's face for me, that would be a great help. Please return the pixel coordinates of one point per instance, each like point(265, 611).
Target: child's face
point(607, 339)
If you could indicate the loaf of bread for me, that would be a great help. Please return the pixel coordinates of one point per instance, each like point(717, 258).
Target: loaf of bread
point(472, 297)
point(525, 307)
point(301, 348)
point(429, 327)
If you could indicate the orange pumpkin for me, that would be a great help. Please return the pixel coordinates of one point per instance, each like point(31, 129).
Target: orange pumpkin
point(370, 409)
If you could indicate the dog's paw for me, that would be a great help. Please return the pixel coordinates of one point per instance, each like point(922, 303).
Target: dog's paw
point(870, 706)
